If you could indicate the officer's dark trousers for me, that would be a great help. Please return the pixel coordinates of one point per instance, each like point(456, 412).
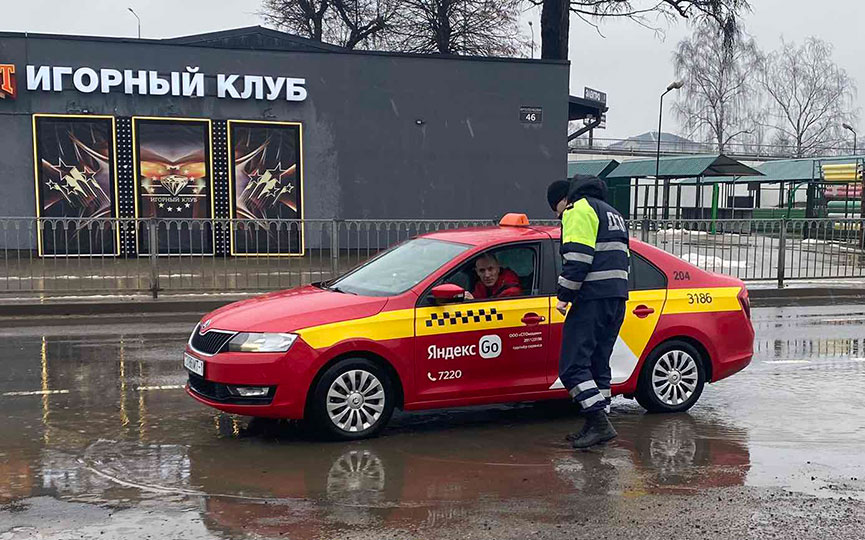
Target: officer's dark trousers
point(588, 336)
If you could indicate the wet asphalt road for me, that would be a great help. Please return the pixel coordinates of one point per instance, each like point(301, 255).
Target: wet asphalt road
point(97, 440)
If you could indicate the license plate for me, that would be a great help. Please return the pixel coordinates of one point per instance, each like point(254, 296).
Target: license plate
point(193, 364)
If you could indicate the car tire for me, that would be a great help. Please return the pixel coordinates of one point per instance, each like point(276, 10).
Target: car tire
point(672, 378)
point(353, 399)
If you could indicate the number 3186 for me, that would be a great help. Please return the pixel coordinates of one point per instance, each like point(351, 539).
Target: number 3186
point(699, 298)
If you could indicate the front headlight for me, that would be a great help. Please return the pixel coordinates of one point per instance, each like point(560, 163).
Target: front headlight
point(249, 342)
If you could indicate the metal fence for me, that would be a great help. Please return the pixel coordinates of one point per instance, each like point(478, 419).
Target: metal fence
point(72, 256)
point(763, 249)
point(68, 256)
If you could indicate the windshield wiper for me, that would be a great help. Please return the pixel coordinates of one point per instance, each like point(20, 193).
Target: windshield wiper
point(337, 289)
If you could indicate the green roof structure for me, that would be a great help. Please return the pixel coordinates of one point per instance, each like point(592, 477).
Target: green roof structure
point(592, 167)
point(684, 167)
point(785, 170)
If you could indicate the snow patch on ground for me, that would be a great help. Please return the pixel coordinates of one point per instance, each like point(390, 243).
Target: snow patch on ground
point(710, 262)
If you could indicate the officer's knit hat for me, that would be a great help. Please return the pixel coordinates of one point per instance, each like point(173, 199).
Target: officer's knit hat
point(557, 191)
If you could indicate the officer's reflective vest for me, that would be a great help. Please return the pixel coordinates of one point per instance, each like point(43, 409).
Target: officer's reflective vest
point(595, 252)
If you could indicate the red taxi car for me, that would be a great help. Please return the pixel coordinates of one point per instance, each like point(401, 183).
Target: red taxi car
point(400, 331)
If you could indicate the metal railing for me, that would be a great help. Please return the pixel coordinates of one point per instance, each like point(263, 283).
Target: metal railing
point(65, 256)
point(763, 249)
point(72, 256)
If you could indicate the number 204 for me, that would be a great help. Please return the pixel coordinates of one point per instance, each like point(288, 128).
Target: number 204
point(699, 298)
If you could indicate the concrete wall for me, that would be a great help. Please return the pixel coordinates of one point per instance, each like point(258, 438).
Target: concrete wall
point(365, 153)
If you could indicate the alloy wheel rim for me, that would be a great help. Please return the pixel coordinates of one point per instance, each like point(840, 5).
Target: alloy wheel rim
point(674, 377)
point(356, 476)
point(355, 400)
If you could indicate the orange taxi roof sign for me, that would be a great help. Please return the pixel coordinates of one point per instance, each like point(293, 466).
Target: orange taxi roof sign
point(514, 220)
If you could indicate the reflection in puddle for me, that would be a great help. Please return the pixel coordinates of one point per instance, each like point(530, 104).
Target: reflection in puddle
point(110, 443)
point(276, 483)
point(809, 348)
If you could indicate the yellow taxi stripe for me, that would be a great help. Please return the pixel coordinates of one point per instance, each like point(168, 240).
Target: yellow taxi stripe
point(654, 295)
point(635, 332)
point(434, 320)
point(438, 320)
point(454, 318)
point(708, 300)
point(382, 326)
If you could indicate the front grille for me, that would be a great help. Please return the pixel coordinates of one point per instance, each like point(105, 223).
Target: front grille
point(215, 391)
point(210, 342)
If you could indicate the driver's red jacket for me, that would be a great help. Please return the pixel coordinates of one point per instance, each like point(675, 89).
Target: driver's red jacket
point(508, 284)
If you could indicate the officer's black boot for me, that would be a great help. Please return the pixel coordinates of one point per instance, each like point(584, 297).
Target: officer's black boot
point(571, 437)
point(599, 430)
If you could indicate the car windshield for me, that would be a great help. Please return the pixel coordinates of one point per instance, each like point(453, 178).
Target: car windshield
point(399, 269)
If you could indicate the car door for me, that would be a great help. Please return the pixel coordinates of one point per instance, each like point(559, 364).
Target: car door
point(648, 292)
point(646, 297)
point(489, 347)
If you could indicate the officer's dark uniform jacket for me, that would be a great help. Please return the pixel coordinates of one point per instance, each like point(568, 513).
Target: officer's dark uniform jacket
point(595, 278)
point(594, 246)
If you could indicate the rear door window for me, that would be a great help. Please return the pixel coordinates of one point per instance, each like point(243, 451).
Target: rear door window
point(643, 275)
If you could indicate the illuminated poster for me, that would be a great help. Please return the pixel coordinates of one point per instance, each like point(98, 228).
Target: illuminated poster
point(174, 183)
point(75, 184)
point(267, 187)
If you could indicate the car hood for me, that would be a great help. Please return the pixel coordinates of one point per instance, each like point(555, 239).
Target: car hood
point(287, 311)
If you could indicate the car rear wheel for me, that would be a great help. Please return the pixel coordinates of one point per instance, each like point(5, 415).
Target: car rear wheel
point(672, 378)
point(354, 399)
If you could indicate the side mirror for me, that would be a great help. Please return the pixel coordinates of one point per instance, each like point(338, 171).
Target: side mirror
point(448, 292)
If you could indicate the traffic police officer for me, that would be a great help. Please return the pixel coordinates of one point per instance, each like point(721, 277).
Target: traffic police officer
point(594, 280)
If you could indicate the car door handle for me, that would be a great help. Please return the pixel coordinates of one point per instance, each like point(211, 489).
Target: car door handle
point(532, 319)
point(642, 311)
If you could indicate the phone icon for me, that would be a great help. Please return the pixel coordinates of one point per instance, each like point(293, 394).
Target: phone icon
point(430, 377)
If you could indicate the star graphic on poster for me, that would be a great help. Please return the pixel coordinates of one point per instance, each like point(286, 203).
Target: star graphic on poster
point(254, 175)
point(89, 175)
point(277, 171)
point(161, 205)
point(186, 205)
point(170, 209)
point(63, 169)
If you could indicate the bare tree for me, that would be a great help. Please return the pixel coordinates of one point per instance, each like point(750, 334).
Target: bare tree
point(555, 16)
point(718, 103)
point(810, 96)
point(364, 20)
point(468, 27)
point(348, 23)
point(302, 17)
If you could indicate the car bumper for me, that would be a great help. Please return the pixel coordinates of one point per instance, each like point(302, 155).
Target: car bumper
point(737, 350)
point(289, 376)
point(729, 366)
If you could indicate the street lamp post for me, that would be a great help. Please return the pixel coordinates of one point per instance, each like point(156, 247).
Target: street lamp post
point(675, 85)
point(849, 128)
point(532, 29)
point(138, 19)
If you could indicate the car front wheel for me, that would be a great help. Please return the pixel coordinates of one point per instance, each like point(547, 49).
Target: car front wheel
point(672, 378)
point(354, 399)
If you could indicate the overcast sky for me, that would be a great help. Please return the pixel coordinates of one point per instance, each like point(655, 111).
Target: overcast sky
point(630, 63)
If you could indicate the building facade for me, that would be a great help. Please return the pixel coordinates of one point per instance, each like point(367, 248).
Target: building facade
point(257, 124)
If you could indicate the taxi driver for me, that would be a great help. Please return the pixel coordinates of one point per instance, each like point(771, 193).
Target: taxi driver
point(493, 280)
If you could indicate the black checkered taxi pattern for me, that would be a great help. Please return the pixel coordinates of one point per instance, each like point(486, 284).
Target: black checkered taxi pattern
point(459, 317)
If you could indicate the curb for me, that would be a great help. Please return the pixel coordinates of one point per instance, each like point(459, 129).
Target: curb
point(806, 297)
point(198, 306)
point(62, 308)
